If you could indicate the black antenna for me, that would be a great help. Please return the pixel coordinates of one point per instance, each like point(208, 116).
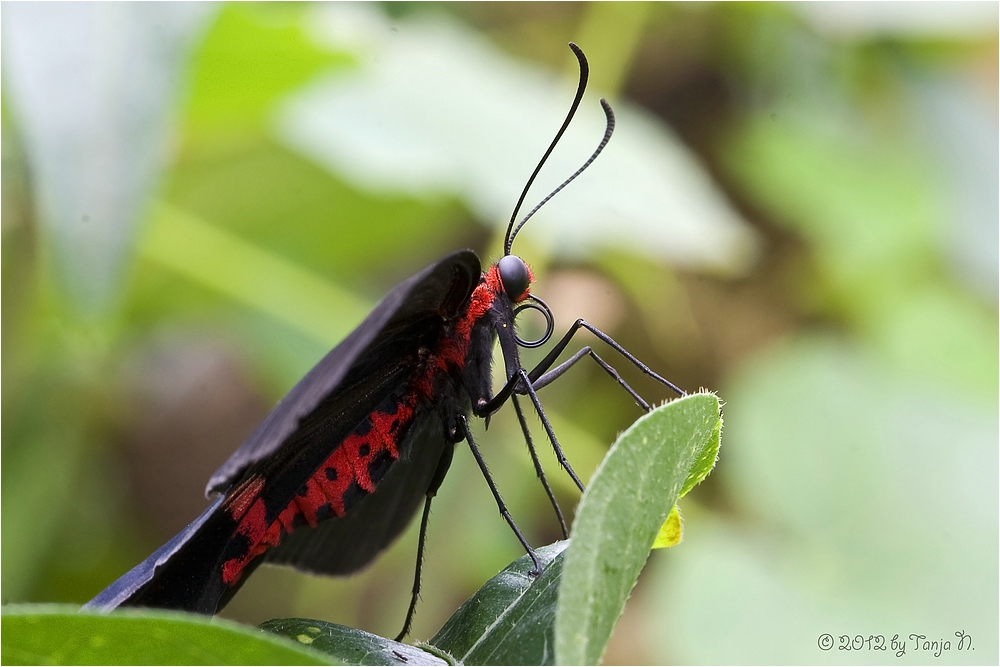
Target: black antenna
point(610, 116)
point(584, 75)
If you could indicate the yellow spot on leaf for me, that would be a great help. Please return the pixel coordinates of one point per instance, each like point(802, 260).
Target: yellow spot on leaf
point(671, 532)
point(305, 639)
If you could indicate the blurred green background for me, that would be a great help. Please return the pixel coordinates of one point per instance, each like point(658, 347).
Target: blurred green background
point(798, 210)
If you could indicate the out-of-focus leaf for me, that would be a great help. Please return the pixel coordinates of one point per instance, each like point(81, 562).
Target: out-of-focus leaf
point(510, 620)
point(277, 199)
point(93, 85)
point(962, 130)
point(250, 57)
point(39, 475)
point(943, 335)
point(891, 20)
point(666, 307)
point(865, 483)
point(433, 108)
point(252, 276)
point(349, 646)
point(612, 31)
point(37, 635)
point(622, 510)
point(875, 219)
point(868, 209)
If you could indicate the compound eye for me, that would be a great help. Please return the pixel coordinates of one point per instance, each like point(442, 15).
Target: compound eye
point(513, 275)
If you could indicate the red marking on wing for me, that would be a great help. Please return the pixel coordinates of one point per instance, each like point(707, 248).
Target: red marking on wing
point(353, 447)
point(346, 465)
point(386, 428)
point(349, 462)
point(254, 527)
point(310, 503)
point(244, 496)
point(342, 476)
point(287, 517)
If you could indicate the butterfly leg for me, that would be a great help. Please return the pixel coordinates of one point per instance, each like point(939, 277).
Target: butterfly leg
point(560, 456)
point(435, 484)
point(519, 382)
point(416, 576)
point(541, 376)
point(526, 382)
point(539, 371)
point(538, 466)
point(551, 375)
point(467, 432)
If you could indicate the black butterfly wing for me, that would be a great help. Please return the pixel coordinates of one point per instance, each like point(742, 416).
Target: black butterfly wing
point(442, 287)
point(288, 446)
point(129, 584)
point(347, 544)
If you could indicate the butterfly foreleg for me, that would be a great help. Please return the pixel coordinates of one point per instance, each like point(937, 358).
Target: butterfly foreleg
point(496, 495)
point(542, 368)
point(538, 466)
point(443, 464)
point(608, 368)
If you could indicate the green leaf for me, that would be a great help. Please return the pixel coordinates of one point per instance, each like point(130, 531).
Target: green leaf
point(510, 620)
point(58, 635)
point(659, 456)
point(348, 645)
point(706, 460)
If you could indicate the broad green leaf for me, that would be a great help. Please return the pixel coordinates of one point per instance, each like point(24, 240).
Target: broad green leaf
point(621, 512)
point(671, 532)
point(348, 645)
point(55, 635)
point(39, 465)
point(510, 620)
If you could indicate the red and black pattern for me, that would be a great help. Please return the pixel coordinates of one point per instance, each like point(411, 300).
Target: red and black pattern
point(352, 471)
point(356, 465)
point(414, 366)
point(339, 468)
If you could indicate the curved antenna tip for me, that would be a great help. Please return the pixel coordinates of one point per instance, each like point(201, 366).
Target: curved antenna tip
point(584, 65)
point(581, 87)
point(609, 129)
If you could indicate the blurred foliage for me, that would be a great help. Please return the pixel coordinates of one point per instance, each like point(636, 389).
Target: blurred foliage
point(857, 355)
point(60, 635)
